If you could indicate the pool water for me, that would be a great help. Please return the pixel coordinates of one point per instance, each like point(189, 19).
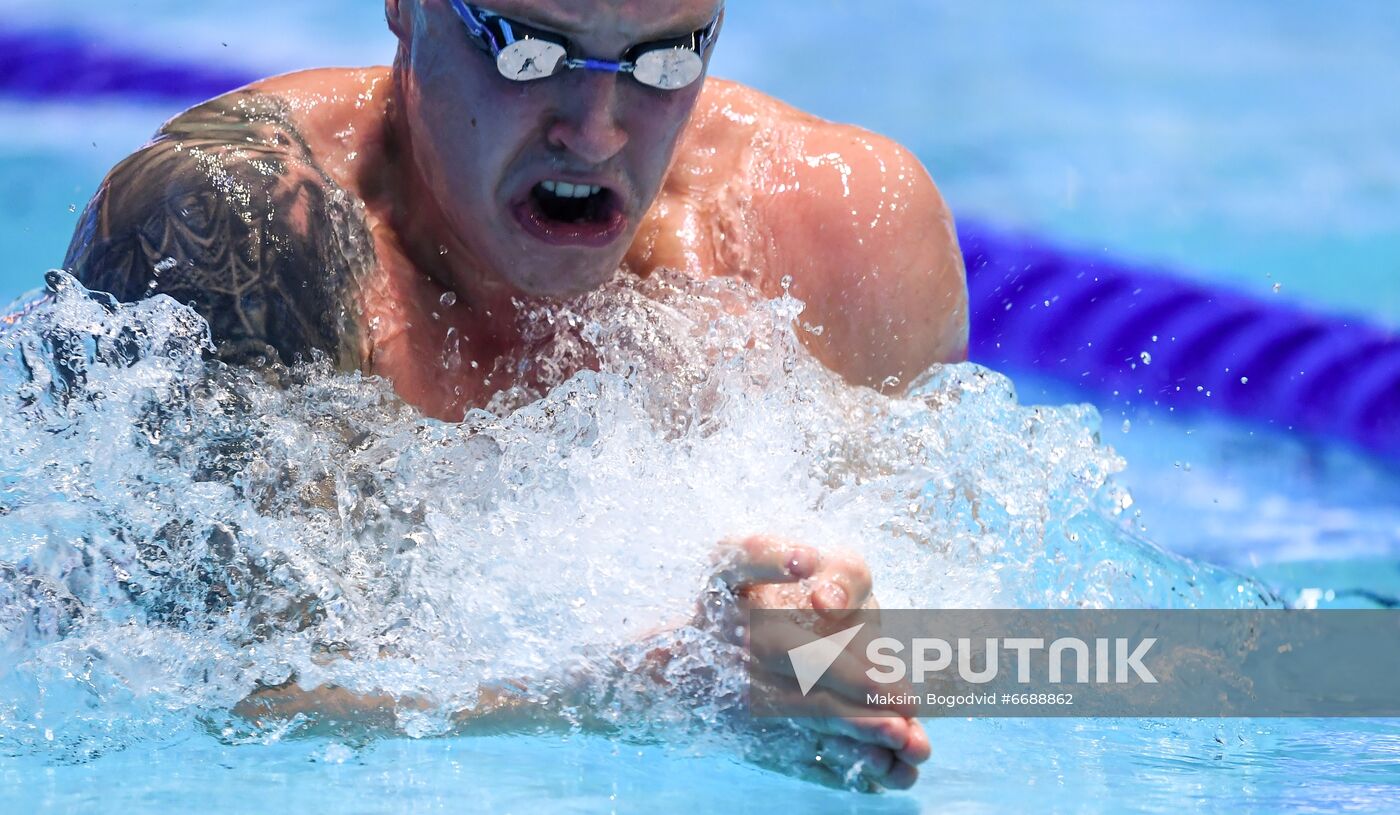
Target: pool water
point(985, 767)
point(1241, 143)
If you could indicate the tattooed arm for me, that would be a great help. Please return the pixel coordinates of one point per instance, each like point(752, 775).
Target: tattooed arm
point(226, 210)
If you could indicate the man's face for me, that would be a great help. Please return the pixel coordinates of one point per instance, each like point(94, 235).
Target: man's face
point(486, 146)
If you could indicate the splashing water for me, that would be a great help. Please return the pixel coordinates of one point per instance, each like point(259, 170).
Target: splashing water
point(175, 533)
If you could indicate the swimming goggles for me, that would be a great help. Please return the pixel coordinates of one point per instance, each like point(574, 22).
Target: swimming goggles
point(523, 53)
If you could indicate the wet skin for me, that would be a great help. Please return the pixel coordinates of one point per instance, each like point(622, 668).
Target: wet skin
point(375, 216)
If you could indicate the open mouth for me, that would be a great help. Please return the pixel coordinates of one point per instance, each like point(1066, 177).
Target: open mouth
point(560, 212)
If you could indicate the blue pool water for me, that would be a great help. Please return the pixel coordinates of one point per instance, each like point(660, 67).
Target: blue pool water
point(1245, 144)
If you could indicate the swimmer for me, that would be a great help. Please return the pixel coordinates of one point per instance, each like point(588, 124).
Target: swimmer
point(527, 149)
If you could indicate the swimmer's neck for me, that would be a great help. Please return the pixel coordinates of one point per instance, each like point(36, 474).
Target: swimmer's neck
point(421, 234)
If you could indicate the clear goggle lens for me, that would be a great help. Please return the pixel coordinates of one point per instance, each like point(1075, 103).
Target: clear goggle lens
point(524, 60)
point(668, 68)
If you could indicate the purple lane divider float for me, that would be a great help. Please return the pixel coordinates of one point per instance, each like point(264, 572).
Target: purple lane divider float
point(61, 65)
point(1144, 336)
point(1121, 332)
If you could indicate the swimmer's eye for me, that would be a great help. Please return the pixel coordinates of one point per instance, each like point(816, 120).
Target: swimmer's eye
point(524, 53)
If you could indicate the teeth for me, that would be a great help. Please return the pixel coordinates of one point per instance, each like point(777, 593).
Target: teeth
point(564, 189)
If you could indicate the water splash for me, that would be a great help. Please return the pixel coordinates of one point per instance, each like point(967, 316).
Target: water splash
point(175, 533)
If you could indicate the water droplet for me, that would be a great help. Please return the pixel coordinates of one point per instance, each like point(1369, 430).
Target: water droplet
point(72, 207)
point(448, 299)
point(1127, 425)
point(1154, 337)
point(1244, 380)
point(442, 250)
point(1278, 287)
point(786, 282)
point(452, 351)
point(1146, 358)
point(890, 382)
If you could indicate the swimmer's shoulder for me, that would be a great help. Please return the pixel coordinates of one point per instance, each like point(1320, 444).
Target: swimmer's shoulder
point(855, 220)
point(231, 210)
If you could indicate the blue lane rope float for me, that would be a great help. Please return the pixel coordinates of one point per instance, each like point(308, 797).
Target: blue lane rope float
point(1142, 336)
point(60, 65)
point(1133, 335)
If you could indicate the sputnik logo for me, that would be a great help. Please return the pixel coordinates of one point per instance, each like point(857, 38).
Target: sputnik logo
point(810, 662)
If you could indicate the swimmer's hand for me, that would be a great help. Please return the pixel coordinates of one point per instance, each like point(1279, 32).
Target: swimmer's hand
point(864, 744)
point(856, 748)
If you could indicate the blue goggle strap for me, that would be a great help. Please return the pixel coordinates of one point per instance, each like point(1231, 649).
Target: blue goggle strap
point(478, 28)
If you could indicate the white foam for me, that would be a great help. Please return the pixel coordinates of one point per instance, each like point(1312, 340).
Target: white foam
point(178, 531)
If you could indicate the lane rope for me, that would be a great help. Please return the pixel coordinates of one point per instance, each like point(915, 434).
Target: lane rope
point(1146, 337)
point(58, 65)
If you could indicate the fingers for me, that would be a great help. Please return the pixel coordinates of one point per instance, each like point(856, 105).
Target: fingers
point(841, 579)
point(847, 677)
point(918, 749)
point(852, 757)
point(781, 696)
point(901, 776)
point(762, 559)
point(842, 584)
point(787, 596)
point(903, 734)
point(846, 688)
point(856, 764)
point(891, 732)
point(821, 750)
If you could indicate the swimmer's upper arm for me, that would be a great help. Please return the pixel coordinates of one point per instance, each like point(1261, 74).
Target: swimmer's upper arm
point(224, 211)
point(871, 248)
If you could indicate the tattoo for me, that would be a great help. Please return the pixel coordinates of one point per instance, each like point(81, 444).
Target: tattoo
point(227, 210)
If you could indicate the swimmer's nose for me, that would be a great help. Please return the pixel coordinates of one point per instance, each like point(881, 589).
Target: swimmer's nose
point(587, 123)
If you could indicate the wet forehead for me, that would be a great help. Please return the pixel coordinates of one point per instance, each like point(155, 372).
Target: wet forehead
point(637, 20)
